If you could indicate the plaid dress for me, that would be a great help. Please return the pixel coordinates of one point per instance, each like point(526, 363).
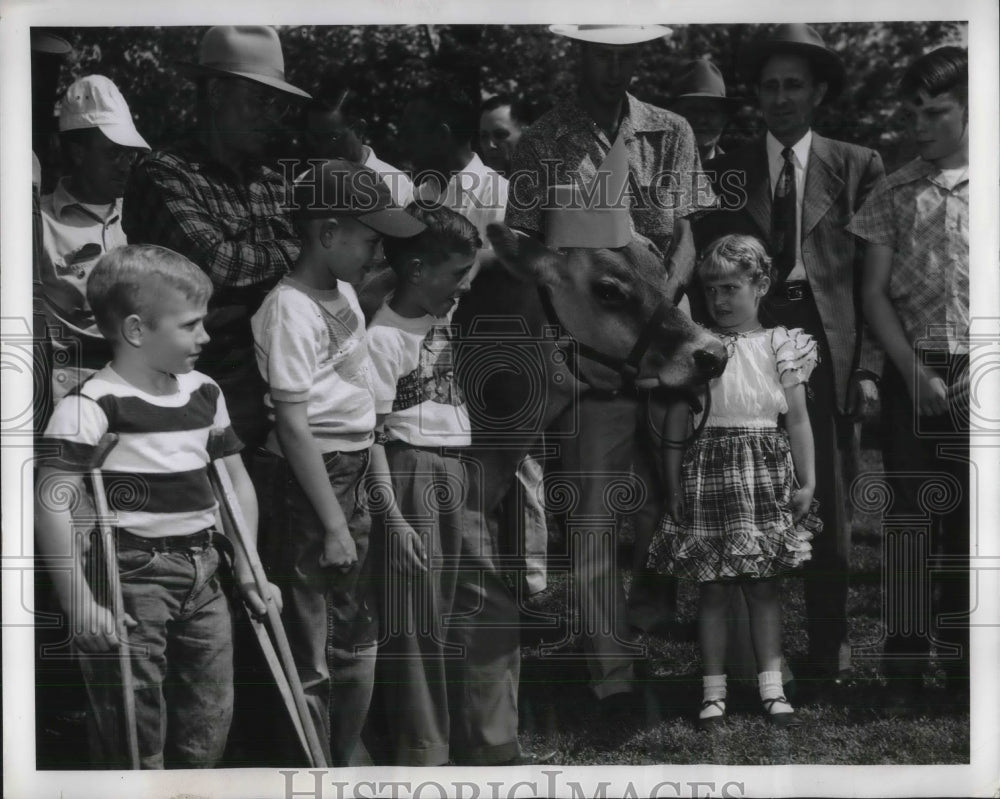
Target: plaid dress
point(737, 476)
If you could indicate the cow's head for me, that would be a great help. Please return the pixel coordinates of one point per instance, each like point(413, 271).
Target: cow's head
point(605, 299)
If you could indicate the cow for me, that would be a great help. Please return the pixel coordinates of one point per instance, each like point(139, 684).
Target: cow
point(567, 321)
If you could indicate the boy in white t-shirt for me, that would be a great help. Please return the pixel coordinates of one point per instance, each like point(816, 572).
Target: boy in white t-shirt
point(451, 690)
point(309, 337)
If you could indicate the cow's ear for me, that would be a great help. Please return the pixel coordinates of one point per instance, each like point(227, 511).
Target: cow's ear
point(523, 255)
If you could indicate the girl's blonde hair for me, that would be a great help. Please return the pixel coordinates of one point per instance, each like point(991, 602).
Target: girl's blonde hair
point(744, 255)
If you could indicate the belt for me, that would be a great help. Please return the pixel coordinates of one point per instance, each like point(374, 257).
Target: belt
point(170, 543)
point(443, 452)
point(792, 291)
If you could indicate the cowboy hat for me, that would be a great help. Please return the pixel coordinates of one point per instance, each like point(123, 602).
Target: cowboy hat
point(701, 78)
point(612, 34)
point(795, 39)
point(244, 51)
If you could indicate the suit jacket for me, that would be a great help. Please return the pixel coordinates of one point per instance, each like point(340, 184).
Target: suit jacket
point(839, 177)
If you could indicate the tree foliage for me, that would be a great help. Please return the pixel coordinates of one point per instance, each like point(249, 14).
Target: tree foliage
point(384, 64)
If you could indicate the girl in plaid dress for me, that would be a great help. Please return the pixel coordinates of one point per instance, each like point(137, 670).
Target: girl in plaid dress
point(740, 507)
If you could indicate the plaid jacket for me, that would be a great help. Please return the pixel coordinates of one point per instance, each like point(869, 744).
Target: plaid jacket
point(839, 178)
point(237, 231)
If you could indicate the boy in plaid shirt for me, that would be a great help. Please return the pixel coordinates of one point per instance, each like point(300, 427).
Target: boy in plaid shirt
point(916, 299)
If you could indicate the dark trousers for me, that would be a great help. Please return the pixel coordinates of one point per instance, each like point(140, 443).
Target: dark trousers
point(826, 575)
point(927, 531)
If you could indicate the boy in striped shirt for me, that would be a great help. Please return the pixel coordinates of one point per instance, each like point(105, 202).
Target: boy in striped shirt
point(150, 303)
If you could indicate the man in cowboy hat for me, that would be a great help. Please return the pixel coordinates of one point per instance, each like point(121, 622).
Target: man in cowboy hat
point(801, 189)
point(655, 150)
point(699, 96)
point(209, 197)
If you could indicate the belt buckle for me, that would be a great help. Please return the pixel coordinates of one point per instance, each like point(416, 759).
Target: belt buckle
point(794, 293)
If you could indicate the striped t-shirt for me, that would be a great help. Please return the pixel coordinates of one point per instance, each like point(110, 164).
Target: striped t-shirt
point(156, 477)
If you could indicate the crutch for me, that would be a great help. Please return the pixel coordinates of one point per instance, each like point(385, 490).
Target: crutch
point(285, 671)
point(110, 550)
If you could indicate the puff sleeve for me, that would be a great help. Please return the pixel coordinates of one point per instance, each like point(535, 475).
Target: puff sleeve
point(795, 355)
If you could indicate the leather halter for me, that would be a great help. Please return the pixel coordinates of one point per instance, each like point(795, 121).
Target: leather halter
point(628, 367)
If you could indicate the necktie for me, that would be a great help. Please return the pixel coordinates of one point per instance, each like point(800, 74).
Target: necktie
point(783, 228)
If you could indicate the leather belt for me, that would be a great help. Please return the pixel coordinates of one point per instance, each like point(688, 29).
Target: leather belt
point(792, 291)
point(170, 543)
point(442, 452)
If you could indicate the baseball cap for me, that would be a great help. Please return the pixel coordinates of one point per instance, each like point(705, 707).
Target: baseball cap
point(95, 102)
point(343, 188)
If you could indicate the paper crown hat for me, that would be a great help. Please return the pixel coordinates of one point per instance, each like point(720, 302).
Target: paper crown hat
point(594, 215)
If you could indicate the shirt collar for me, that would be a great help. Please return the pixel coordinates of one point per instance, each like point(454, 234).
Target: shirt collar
point(635, 118)
point(800, 149)
point(197, 154)
point(62, 198)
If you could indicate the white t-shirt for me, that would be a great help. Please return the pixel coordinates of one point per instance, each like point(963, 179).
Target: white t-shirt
point(414, 380)
point(311, 347)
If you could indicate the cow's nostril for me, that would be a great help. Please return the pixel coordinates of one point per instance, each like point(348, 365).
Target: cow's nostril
point(711, 360)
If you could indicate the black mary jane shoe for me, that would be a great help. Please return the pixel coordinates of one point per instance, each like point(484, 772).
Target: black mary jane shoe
point(782, 720)
point(712, 722)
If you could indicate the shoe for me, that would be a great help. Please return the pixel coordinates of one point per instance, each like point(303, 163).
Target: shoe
point(712, 722)
point(784, 719)
point(530, 759)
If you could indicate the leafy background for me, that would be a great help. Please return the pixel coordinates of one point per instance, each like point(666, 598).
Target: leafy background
point(385, 63)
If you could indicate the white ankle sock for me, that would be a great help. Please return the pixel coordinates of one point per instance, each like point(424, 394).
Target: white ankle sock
point(771, 687)
point(713, 688)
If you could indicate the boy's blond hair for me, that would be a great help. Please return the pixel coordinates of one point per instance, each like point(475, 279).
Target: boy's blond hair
point(128, 280)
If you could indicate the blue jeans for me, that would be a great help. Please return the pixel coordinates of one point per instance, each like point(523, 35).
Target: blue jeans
point(331, 617)
point(182, 663)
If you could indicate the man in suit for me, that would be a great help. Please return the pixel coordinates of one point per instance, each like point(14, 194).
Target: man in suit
point(796, 191)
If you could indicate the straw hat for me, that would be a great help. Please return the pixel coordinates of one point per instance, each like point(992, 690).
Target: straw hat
point(612, 34)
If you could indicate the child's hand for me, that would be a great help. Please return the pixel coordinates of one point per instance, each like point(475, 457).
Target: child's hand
point(96, 628)
point(257, 603)
point(675, 506)
point(339, 550)
point(929, 393)
point(675, 502)
point(800, 502)
point(407, 554)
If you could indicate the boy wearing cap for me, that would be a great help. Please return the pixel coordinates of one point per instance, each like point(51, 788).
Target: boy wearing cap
point(309, 337)
point(81, 221)
point(916, 299)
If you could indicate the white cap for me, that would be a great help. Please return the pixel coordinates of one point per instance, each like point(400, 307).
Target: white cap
point(95, 102)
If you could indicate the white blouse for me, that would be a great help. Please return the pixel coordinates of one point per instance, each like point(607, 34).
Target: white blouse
point(762, 364)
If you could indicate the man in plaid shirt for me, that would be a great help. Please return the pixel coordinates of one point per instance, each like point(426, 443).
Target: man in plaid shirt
point(210, 198)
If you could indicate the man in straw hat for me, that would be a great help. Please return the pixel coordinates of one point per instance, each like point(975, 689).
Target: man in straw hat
point(800, 191)
point(209, 197)
point(604, 134)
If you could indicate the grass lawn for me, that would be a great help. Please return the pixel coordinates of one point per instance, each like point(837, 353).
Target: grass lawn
point(559, 712)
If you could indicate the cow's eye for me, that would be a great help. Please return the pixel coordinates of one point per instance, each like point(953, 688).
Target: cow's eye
point(610, 293)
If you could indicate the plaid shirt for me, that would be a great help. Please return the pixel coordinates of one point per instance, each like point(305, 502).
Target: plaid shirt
point(238, 232)
point(567, 146)
point(926, 222)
